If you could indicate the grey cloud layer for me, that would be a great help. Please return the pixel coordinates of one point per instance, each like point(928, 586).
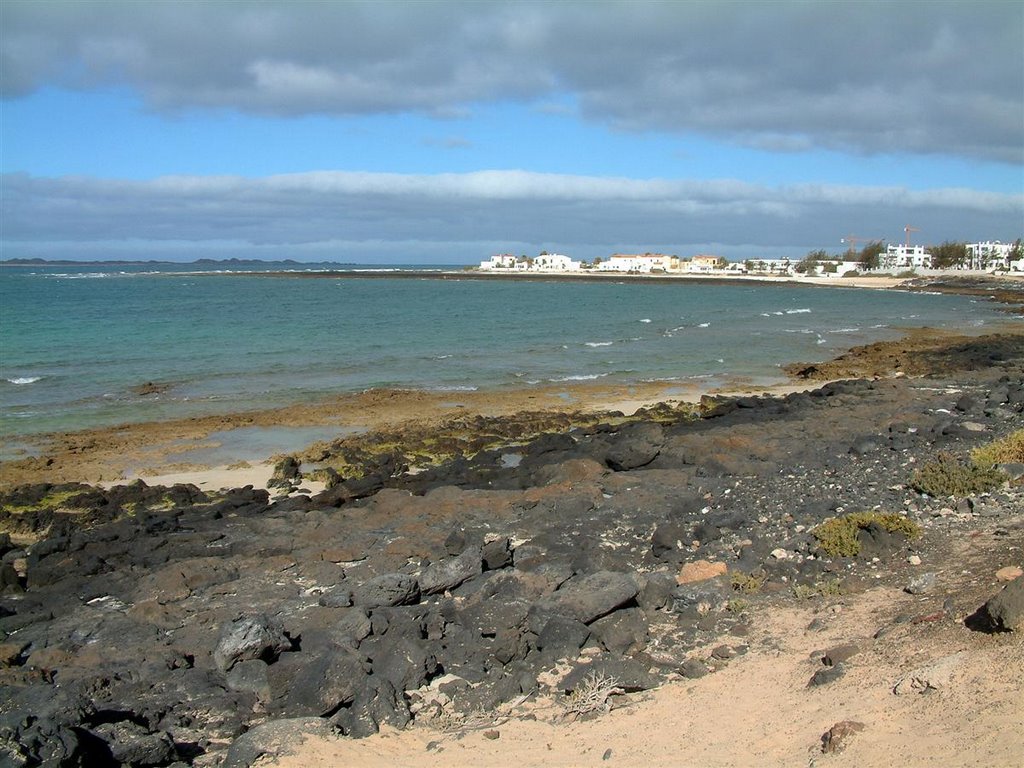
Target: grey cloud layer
point(467, 216)
point(899, 76)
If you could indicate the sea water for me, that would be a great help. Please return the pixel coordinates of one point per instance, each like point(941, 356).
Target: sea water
point(77, 342)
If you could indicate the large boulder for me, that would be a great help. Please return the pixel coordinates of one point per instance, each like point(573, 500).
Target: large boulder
point(1006, 609)
point(636, 445)
point(304, 684)
point(451, 572)
point(387, 590)
point(274, 739)
point(250, 637)
point(590, 597)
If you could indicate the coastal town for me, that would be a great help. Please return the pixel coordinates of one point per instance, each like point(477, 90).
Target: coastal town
point(876, 258)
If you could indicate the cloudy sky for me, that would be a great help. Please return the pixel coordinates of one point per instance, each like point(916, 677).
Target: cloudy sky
point(443, 132)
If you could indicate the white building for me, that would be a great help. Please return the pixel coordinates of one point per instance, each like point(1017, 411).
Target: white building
point(555, 262)
point(705, 264)
point(905, 257)
point(990, 255)
point(546, 262)
point(501, 261)
point(637, 263)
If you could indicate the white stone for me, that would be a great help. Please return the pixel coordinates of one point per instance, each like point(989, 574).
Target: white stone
point(914, 560)
point(780, 554)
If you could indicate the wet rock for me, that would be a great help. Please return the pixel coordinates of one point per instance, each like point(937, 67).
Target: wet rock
point(386, 590)
point(250, 637)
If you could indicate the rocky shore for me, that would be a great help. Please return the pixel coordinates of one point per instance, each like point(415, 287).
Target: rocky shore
point(579, 567)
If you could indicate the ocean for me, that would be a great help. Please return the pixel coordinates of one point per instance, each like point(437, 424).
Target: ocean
point(77, 342)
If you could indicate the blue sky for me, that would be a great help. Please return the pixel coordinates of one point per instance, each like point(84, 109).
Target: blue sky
point(443, 132)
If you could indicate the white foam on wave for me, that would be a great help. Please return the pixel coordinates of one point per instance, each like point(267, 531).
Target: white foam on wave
point(703, 325)
point(581, 377)
point(454, 388)
point(599, 343)
point(645, 320)
point(24, 380)
point(797, 311)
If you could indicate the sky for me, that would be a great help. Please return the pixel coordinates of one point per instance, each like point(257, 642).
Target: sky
point(445, 132)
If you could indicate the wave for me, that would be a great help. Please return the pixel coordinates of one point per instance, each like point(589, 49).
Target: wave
point(645, 320)
point(703, 325)
point(581, 377)
point(797, 311)
point(453, 388)
point(24, 380)
point(599, 343)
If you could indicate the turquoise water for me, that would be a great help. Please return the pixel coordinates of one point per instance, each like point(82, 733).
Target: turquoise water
point(76, 341)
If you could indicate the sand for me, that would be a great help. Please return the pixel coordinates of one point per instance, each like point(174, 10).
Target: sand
point(758, 710)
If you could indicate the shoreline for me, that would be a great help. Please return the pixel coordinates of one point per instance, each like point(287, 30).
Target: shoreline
point(880, 282)
point(157, 452)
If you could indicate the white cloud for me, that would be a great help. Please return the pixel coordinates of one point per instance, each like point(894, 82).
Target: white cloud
point(861, 77)
point(412, 217)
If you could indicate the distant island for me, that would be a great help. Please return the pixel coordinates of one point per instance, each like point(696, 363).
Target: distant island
point(134, 263)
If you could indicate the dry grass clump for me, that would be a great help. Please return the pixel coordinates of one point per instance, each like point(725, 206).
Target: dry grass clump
point(592, 695)
point(1008, 450)
point(838, 537)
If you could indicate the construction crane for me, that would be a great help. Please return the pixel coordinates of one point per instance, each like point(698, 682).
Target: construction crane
point(852, 241)
point(907, 230)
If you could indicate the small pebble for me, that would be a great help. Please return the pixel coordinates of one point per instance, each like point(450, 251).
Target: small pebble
point(914, 560)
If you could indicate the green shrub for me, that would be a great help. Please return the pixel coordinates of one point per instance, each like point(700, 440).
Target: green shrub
point(838, 537)
point(1008, 450)
point(747, 583)
point(948, 477)
point(832, 588)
